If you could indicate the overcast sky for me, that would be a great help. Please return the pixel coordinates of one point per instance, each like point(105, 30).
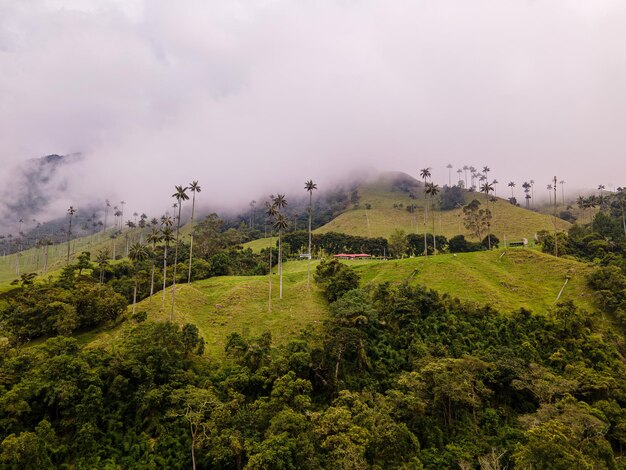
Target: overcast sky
point(257, 96)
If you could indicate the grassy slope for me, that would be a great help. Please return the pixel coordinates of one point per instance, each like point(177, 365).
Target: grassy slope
point(219, 306)
point(519, 278)
point(509, 221)
point(31, 260)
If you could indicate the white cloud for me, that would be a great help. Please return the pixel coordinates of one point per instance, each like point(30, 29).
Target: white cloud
point(247, 96)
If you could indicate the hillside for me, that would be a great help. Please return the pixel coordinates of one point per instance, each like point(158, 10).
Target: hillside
point(222, 305)
point(509, 221)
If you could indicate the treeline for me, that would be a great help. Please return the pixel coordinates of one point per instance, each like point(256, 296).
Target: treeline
point(397, 377)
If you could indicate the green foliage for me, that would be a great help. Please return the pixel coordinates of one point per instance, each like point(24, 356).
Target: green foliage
point(335, 279)
point(398, 243)
point(451, 197)
point(476, 220)
point(334, 243)
point(458, 244)
point(416, 243)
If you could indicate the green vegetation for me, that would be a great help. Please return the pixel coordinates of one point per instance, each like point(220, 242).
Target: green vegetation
point(493, 359)
point(389, 212)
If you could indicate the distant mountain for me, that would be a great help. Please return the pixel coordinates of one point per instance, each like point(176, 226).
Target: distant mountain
point(31, 188)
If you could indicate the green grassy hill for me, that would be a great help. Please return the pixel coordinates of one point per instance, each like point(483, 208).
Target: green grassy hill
point(508, 221)
point(222, 305)
point(31, 260)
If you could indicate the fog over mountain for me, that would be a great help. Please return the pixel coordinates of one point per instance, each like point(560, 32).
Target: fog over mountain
point(255, 97)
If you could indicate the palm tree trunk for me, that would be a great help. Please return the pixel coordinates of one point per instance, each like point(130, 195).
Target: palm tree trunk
point(434, 240)
point(425, 217)
point(175, 262)
point(280, 264)
point(135, 294)
point(193, 208)
point(152, 281)
point(164, 275)
point(269, 304)
point(45, 258)
point(308, 269)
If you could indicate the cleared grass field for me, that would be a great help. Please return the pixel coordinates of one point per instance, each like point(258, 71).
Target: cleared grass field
point(508, 221)
point(222, 305)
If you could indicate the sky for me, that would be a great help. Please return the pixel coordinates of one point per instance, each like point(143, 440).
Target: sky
point(253, 97)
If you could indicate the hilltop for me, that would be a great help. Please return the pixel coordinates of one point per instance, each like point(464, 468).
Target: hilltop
point(387, 199)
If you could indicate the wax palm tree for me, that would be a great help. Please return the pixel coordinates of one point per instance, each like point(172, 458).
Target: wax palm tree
point(194, 188)
point(512, 185)
point(562, 183)
point(281, 223)
point(425, 174)
point(270, 211)
point(180, 195)
point(532, 189)
point(432, 190)
point(107, 206)
point(102, 259)
point(137, 253)
point(167, 235)
point(71, 211)
point(154, 237)
point(487, 188)
point(449, 167)
point(549, 188)
point(465, 168)
point(310, 186)
point(252, 207)
point(458, 172)
point(495, 187)
point(527, 188)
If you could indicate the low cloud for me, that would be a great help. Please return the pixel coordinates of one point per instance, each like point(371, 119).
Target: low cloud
point(256, 97)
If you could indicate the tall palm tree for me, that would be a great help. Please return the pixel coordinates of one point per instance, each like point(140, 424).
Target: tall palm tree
point(432, 190)
point(310, 186)
point(71, 211)
point(425, 174)
point(102, 259)
point(270, 211)
point(252, 207)
point(137, 253)
point(465, 168)
point(527, 188)
point(154, 237)
point(281, 223)
point(512, 185)
point(495, 186)
point(194, 188)
point(549, 188)
point(458, 172)
point(167, 235)
point(562, 183)
point(487, 188)
point(180, 195)
point(107, 205)
point(449, 167)
point(532, 189)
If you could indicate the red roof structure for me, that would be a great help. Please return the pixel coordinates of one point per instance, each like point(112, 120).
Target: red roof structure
point(352, 256)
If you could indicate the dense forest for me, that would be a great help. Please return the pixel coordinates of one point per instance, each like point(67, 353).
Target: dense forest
point(398, 376)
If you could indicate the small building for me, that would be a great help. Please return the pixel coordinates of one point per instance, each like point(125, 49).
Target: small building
point(352, 256)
